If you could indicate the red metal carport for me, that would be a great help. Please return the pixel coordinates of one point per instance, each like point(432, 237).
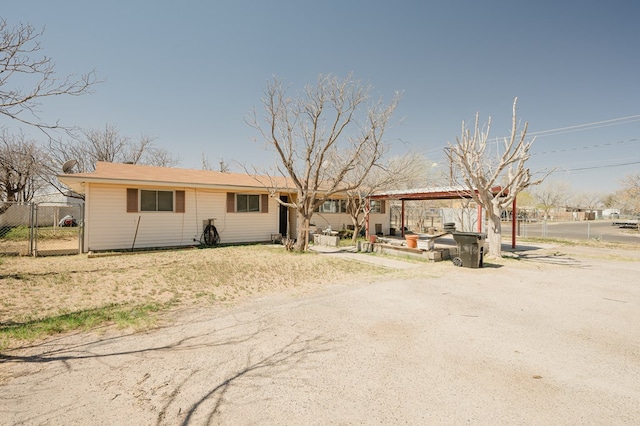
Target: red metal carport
point(438, 193)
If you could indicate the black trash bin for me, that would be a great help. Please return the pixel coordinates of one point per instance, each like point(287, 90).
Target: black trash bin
point(470, 249)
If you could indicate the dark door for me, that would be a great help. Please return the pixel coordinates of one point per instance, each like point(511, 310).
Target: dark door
point(284, 217)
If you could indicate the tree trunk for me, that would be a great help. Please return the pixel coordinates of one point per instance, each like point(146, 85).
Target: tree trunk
point(356, 229)
point(494, 234)
point(356, 233)
point(302, 238)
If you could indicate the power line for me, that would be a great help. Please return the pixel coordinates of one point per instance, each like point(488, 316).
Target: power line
point(594, 146)
point(598, 167)
point(604, 145)
point(575, 128)
point(587, 126)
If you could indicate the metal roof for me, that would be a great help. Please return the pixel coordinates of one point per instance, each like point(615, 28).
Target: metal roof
point(434, 193)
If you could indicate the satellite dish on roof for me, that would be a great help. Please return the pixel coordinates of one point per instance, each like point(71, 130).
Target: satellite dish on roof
point(68, 166)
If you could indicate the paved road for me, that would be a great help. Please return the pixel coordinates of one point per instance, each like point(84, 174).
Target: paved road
point(601, 230)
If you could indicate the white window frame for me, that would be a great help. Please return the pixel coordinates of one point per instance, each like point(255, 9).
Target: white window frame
point(333, 205)
point(375, 206)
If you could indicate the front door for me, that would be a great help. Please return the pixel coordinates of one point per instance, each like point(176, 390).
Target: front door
point(284, 216)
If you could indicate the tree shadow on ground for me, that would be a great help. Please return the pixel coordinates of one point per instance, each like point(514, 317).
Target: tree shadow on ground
point(489, 265)
point(265, 367)
point(537, 254)
point(553, 258)
point(265, 361)
point(55, 350)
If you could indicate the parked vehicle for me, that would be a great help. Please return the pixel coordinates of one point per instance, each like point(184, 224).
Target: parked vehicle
point(68, 220)
point(633, 223)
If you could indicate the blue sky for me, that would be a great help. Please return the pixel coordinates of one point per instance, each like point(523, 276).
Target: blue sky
point(189, 72)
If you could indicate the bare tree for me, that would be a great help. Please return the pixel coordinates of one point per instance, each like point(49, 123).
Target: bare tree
point(590, 201)
point(206, 165)
point(610, 200)
point(551, 195)
point(109, 145)
point(20, 166)
point(103, 145)
point(631, 183)
point(159, 157)
point(224, 167)
point(482, 174)
point(319, 137)
point(27, 78)
point(629, 197)
point(397, 172)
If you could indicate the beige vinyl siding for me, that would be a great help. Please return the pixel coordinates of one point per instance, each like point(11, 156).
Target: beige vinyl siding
point(336, 220)
point(340, 220)
point(110, 227)
point(248, 226)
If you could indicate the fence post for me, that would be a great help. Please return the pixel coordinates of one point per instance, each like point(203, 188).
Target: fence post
point(32, 226)
point(81, 232)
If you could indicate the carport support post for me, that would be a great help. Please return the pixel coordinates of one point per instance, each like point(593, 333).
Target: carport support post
point(479, 218)
point(514, 219)
point(402, 219)
point(366, 222)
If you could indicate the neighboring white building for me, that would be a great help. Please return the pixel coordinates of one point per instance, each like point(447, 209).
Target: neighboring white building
point(56, 198)
point(611, 213)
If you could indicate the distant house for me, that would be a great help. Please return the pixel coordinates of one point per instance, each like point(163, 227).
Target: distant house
point(57, 198)
point(135, 206)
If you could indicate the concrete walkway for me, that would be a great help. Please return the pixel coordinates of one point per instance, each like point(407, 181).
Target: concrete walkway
point(391, 263)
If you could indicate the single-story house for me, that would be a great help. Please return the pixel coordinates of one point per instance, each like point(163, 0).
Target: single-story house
point(131, 206)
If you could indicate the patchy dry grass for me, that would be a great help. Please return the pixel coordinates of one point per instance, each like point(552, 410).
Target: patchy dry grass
point(36, 290)
point(603, 250)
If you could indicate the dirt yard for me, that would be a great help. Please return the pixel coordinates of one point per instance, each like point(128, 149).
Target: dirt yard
point(550, 337)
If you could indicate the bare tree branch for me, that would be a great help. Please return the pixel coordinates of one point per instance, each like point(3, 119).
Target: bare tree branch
point(26, 79)
point(320, 136)
point(103, 145)
point(551, 195)
point(370, 177)
point(21, 162)
point(481, 174)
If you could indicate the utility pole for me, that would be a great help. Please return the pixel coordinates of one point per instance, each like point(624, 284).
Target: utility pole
point(448, 151)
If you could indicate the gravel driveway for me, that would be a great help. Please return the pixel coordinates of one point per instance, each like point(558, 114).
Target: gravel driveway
point(552, 338)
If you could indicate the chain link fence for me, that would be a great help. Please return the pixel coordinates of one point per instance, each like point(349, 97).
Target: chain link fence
point(40, 229)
